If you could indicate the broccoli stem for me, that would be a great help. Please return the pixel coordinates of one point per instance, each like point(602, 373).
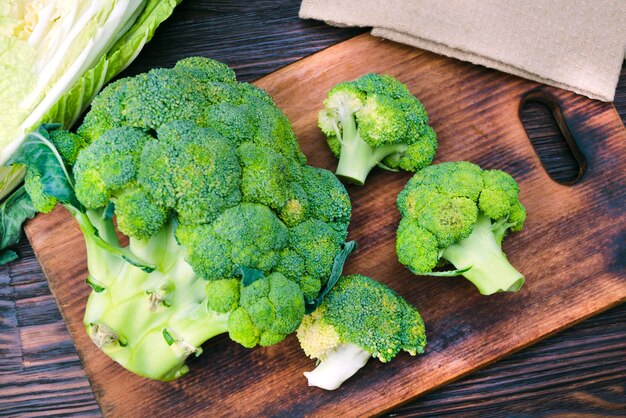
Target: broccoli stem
point(337, 367)
point(151, 322)
point(357, 157)
point(101, 263)
point(100, 232)
point(489, 270)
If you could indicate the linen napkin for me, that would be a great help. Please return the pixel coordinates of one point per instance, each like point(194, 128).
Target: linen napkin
point(576, 45)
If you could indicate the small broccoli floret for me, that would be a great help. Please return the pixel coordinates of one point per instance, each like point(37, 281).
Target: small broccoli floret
point(67, 144)
point(42, 201)
point(360, 318)
point(138, 214)
point(206, 70)
point(247, 235)
point(327, 201)
point(375, 120)
point(202, 174)
point(317, 244)
point(458, 213)
point(223, 295)
point(275, 307)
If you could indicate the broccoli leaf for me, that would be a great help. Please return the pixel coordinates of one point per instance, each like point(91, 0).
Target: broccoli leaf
point(448, 273)
point(248, 275)
point(16, 209)
point(6, 256)
point(39, 154)
point(335, 274)
point(108, 211)
point(94, 285)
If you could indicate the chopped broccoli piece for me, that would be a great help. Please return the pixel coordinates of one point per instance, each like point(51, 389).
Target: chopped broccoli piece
point(456, 212)
point(360, 318)
point(375, 120)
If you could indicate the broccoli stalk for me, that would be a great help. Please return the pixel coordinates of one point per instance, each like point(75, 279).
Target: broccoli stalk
point(150, 322)
point(338, 366)
point(357, 157)
point(484, 263)
point(101, 241)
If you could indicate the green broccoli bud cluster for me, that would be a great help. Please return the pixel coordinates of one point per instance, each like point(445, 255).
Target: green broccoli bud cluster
point(375, 120)
point(198, 90)
point(269, 309)
point(456, 212)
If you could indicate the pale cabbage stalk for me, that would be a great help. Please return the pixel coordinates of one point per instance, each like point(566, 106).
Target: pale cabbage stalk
point(56, 55)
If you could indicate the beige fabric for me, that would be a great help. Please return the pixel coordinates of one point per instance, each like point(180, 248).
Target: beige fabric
point(573, 44)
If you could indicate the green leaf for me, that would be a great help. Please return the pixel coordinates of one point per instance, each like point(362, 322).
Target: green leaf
point(249, 275)
point(449, 273)
point(108, 211)
point(168, 337)
point(335, 274)
point(38, 153)
point(384, 167)
point(6, 256)
point(94, 285)
point(16, 209)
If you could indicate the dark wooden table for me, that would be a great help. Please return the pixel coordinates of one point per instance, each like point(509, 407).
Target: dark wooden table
point(581, 371)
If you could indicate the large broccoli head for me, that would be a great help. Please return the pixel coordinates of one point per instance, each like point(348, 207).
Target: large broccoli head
point(359, 318)
point(375, 120)
point(228, 230)
point(459, 213)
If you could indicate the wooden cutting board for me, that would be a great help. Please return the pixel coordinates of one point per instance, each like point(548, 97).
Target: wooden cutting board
point(572, 249)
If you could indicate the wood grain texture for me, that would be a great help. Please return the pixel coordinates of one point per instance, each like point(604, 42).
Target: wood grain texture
point(475, 112)
point(578, 371)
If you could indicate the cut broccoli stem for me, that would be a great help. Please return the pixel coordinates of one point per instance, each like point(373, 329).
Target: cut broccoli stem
point(357, 157)
point(490, 270)
point(337, 367)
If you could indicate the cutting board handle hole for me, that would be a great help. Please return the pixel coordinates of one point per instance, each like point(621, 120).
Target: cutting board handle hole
point(551, 138)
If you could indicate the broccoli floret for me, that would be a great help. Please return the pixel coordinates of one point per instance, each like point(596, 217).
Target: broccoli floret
point(360, 318)
point(458, 213)
point(108, 165)
point(272, 307)
point(228, 231)
point(42, 201)
point(375, 120)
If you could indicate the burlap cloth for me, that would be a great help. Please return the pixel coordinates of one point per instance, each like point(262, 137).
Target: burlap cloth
point(575, 45)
